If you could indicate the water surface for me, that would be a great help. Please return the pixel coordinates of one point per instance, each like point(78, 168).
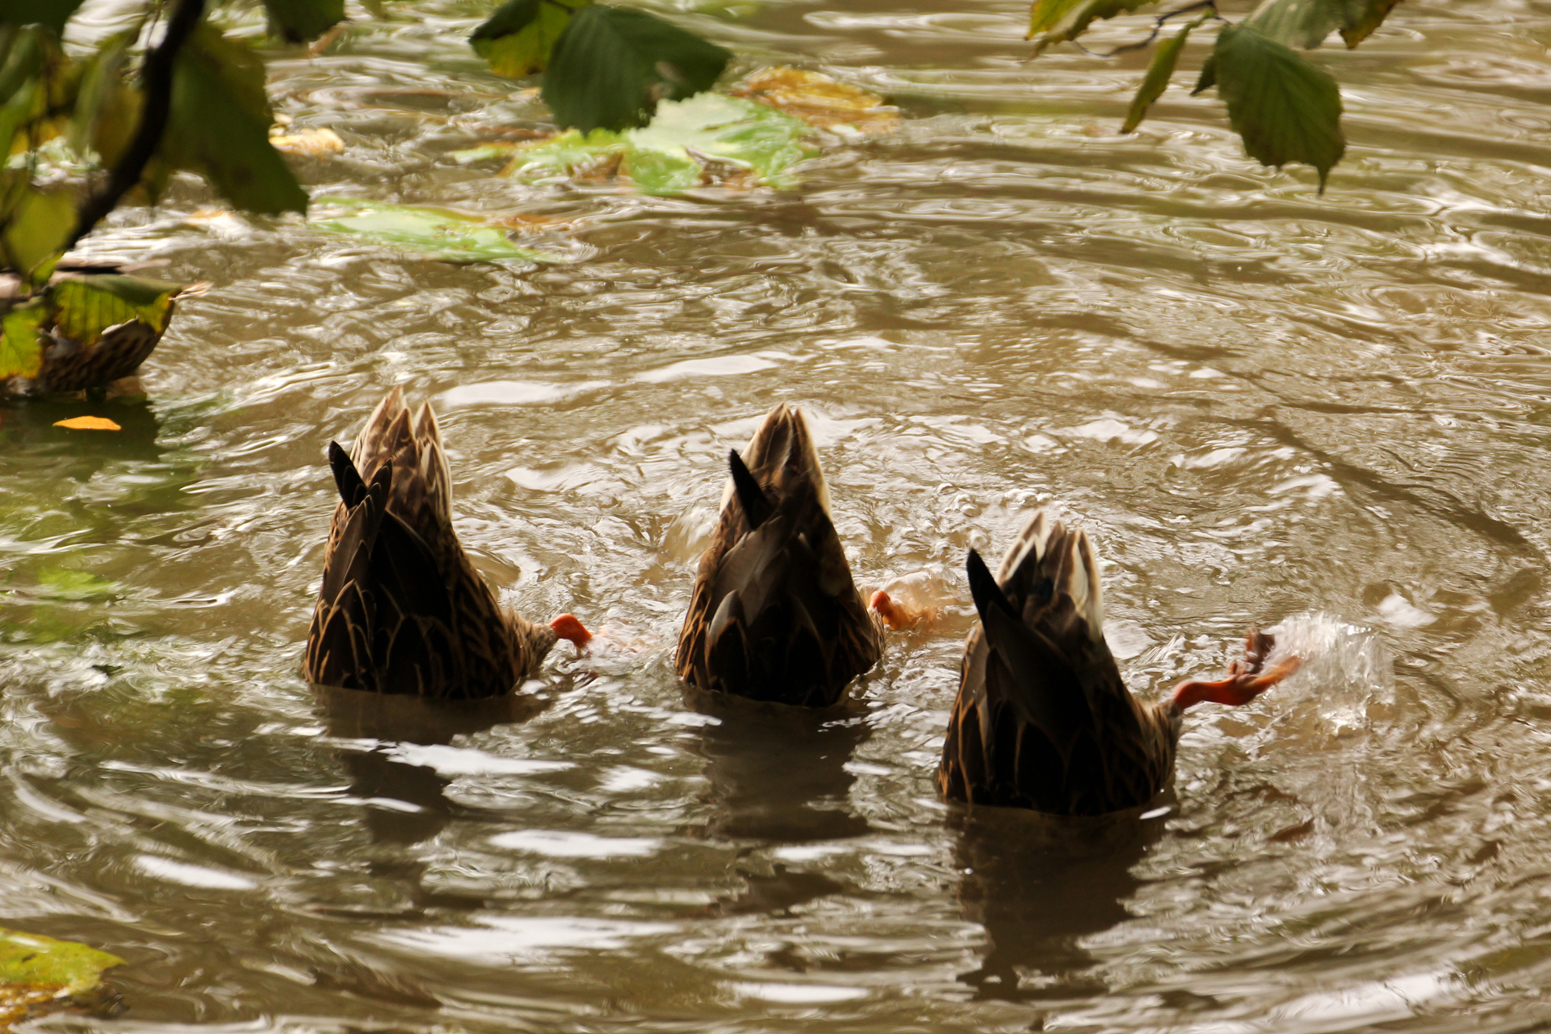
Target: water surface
point(1262, 402)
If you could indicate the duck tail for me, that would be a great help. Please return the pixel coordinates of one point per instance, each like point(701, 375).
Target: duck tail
point(1049, 560)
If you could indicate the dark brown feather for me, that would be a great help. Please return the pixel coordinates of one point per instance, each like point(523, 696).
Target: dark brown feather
point(775, 614)
point(1043, 719)
point(401, 608)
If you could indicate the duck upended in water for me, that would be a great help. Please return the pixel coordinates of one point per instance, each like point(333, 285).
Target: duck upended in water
point(401, 608)
point(1043, 719)
point(775, 614)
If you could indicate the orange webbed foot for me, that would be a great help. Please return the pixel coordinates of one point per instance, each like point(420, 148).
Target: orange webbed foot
point(568, 627)
point(898, 616)
point(1248, 677)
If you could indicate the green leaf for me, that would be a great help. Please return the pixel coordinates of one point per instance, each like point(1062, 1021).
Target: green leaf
point(1306, 23)
point(296, 21)
point(518, 38)
point(32, 962)
point(35, 232)
point(63, 583)
point(1046, 14)
point(85, 306)
point(219, 126)
point(1077, 16)
point(666, 156)
point(107, 108)
point(611, 66)
point(1208, 77)
point(1157, 78)
point(728, 129)
point(21, 350)
point(52, 13)
point(1286, 109)
point(434, 232)
point(1359, 24)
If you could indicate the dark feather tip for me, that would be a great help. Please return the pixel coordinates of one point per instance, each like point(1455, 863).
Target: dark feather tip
point(756, 505)
point(346, 478)
point(983, 587)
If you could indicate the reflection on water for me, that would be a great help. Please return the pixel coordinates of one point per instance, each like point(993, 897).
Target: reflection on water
point(779, 773)
point(1039, 886)
point(1260, 401)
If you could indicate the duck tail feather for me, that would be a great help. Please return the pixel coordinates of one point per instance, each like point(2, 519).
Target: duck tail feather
point(352, 489)
point(757, 506)
point(983, 588)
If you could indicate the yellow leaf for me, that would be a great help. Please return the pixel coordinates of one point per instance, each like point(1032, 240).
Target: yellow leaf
point(818, 100)
point(88, 423)
point(314, 143)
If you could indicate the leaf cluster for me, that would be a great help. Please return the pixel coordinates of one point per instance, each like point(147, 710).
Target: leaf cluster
point(157, 98)
point(1283, 106)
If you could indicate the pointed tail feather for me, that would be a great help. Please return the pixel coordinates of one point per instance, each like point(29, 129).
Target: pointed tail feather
point(757, 506)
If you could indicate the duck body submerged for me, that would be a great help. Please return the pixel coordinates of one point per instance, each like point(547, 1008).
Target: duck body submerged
point(1043, 719)
point(401, 608)
point(775, 614)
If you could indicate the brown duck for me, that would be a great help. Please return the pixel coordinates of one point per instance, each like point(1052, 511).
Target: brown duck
point(775, 614)
point(1043, 719)
point(402, 609)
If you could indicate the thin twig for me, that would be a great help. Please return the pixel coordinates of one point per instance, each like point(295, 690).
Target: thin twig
point(160, 63)
point(1210, 6)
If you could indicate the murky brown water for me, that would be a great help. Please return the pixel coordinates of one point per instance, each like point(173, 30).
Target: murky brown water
point(1262, 402)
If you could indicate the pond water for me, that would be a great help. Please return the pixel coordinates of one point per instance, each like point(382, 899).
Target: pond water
point(1262, 402)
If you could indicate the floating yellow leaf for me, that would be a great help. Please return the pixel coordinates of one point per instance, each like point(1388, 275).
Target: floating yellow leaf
point(88, 423)
point(819, 100)
point(314, 143)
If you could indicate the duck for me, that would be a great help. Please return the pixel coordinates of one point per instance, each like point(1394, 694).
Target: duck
point(401, 608)
point(1043, 719)
point(775, 615)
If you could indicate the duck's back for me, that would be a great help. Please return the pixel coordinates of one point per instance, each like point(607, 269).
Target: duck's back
point(775, 613)
point(1043, 719)
point(401, 608)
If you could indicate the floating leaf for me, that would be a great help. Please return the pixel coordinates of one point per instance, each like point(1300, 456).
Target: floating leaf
point(36, 970)
point(1157, 78)
point(314, 143)
point(518, 38)
point(818, 100)
point(67, 583)
point(297, 21)
point(671, 154)
point(611, 66)
point(88, 423)
point(219, 126)
point(435, 232)
point(1286, 109)
point(21, 350)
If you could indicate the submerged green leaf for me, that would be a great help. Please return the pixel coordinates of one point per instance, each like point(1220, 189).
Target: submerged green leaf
point(669, 156)
point(29, 960)
point(1286, 109)
point(611, 66)
point(66, 584)
point(435, 232)
point(518, 37)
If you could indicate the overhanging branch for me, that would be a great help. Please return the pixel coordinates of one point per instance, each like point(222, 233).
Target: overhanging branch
point(160, 63)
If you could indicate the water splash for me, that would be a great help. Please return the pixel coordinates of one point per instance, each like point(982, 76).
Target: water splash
point(1346, 668)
